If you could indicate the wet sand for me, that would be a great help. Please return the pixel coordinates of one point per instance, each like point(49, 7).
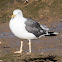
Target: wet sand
point(43, 46)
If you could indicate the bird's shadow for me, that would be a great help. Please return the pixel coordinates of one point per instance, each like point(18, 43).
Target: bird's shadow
point(41, 59)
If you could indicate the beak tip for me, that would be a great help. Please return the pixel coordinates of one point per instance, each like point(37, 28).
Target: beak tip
point(13, 16)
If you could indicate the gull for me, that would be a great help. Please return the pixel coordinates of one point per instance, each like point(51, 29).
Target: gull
point(26, 28)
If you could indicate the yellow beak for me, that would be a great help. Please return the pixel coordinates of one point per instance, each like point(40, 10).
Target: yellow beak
point(13, 16)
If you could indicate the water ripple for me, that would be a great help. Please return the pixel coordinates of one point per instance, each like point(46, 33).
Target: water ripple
point(7, 35)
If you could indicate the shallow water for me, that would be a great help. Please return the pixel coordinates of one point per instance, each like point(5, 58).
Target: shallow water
point(58, 27)
point(7, 35)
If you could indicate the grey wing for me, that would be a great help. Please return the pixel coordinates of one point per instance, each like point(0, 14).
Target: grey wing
point(34, 27)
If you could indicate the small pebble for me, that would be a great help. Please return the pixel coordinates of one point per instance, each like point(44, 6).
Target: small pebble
point(54, 26)
point(0, 60)
point(0, 42)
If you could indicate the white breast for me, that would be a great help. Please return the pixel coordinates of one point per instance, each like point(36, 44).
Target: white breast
point(17, 26)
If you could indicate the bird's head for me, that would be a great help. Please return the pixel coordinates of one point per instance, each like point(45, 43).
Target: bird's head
point(17, 12)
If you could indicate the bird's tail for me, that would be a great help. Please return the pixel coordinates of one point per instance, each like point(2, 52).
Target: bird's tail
point(52, 34)
point(47, 31)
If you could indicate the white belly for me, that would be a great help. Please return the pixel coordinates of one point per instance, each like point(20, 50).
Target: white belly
point(18, 29)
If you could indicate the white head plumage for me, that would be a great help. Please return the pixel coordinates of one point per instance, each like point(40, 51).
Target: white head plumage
point(17, 12)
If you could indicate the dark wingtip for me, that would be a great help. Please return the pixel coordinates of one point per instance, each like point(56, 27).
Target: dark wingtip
point(52, 34)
